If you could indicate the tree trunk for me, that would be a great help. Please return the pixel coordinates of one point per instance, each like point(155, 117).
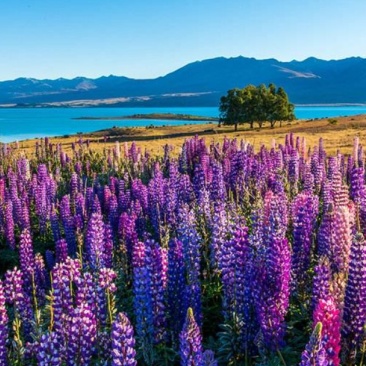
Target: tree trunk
point(236, 126)
point(251, 124)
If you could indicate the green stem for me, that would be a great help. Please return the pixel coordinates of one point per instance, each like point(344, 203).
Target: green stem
point(281, 357)
point(109, 307)
point(362, 358)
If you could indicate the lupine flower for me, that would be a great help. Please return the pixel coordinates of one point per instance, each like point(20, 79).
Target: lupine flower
point(3, 328)
point(208, 358)
point(176, 287)
point(82, 336)
point(329, 315)
point(321, 282)
point(272, 290)
point(354, 312)
point(314, 353)
point(26, 258)
point(50, 350)
point(94, 241)
point(123, 342)
point(142, 301)
point(190, 350)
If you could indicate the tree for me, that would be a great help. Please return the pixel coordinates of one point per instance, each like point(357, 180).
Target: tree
point(255, 104)
point(231, 108)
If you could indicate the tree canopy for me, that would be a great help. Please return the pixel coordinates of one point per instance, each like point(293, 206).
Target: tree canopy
point(255, 104)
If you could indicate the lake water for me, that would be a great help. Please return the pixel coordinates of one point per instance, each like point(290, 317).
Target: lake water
point(21, 124)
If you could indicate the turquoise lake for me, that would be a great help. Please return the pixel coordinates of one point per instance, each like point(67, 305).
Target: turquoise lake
point(21, 124)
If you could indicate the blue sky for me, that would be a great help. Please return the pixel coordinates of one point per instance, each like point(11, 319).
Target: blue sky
point(150, 38)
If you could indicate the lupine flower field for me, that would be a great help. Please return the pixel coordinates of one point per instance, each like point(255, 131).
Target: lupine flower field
point(219, 254)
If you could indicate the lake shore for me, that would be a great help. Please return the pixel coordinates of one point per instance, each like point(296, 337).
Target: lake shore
point(152, 116)
point(337, 134)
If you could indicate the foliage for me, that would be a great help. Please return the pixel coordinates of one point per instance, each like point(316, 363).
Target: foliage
point(256, 105)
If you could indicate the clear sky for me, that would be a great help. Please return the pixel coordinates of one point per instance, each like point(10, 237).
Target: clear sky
point(150, 38)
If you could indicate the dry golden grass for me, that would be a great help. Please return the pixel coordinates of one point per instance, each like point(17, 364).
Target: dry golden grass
point(337, 136)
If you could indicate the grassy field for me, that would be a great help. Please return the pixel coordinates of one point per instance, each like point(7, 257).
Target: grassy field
point(337, 133)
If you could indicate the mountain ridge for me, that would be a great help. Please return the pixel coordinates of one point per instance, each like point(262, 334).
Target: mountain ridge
point(200, 83)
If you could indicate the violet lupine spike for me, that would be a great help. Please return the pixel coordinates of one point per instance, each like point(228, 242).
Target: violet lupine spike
point(321, 282)
point(176, 287)
point(357, 185)
point(208, 358)
point(272, 291)
point(68, 224)
point(3, 328)
point(82, 336)
point(219, 233)
point(142, 300)
point(63, 275)
point(108, 246)
point(304, 213)
point(329, 315)
point(26, 258)
point(55, 225)
point(158, 291)
point(334, 237)
point(237, 279)
point(94, 241)
point(61, 250)
point(191, 241)
point(123, 342)
point(190, 350)
point(16, 296)
point(354, 311)
point(105, 287)
point(314, 353)
point(86, 292)
point(49, 350)
point(9, 224)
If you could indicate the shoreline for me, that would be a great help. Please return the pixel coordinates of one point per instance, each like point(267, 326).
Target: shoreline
point(152, 116)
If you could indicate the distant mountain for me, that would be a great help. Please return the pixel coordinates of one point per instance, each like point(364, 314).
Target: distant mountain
point(200, 83)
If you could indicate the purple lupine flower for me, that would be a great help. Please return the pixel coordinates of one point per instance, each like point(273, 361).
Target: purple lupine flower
point(61, 250)
point(142, 301)
point(190, 350)
point(314, 353)
point(63, 274)
point(176, 287)
point(218, 192)
point(49, 350)
point(55, 225)
point(334, 237)
point(68, 224)
point(191, 241)
point(354, 311)
point(329, 315)
point(154, 251)
point(16, 296)
point(108, 246)
point(272, 290)
point(82, 336)
point(86, 292)
point(123, 342)
point(26, 259)
point(3, 328)
point(9, 224)
point(94, 241)
point(321, 282)
point(357, 185)
point(208, 358)
point(304, 213)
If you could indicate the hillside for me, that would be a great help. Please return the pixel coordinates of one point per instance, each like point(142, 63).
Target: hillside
point(201, 83)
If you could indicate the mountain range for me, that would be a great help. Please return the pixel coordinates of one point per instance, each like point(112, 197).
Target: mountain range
point(201, 83)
